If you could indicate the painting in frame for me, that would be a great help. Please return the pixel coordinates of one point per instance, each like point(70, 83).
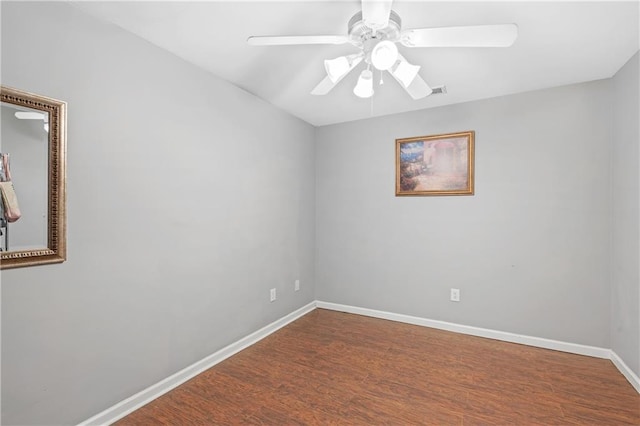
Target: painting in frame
point(435, 165)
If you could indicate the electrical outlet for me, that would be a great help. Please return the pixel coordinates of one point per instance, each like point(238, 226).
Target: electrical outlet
point(455, 295)
point(296, 286)
point(272, 296)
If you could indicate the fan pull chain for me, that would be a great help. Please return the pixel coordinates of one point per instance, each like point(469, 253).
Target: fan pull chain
point(381, 81)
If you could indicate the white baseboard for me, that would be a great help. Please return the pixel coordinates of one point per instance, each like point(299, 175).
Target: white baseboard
point(539, 342)
point(626, 371)
point(147, 395)
point(474, 331)
point(121, 409)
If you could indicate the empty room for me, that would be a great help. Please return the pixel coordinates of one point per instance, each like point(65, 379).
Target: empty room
point(320, 212)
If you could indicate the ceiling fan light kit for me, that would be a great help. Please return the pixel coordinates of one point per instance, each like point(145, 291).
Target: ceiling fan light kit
point(340, 66)
point(364, 87)
point(404, 72)
point(384, 55)
point(375, 31)
point(336, 68)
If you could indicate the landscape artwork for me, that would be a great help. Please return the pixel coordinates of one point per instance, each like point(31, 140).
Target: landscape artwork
point(435, 165)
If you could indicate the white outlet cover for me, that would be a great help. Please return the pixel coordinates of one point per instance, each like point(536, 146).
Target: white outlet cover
point(272, 294)
point(455, 295)
point(296, 286)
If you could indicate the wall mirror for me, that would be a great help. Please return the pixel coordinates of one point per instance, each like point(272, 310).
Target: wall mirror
point(33, 144)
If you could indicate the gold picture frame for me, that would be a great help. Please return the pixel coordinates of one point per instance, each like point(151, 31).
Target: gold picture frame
point(435, 165)
point(55, 249)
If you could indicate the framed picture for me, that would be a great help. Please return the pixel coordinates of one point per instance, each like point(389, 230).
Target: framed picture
point(435, 165)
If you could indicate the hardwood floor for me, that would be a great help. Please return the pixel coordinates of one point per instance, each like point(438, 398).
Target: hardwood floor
point(336, 368)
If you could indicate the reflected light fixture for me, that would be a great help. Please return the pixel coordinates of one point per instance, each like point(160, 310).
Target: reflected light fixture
point(364, 87)
point(384, 55)
point(29, 115)
point(32, 115)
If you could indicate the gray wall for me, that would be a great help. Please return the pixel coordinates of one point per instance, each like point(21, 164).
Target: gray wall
point(625, 308)
point(188, 199)
point(26, 143)
point(530, 251)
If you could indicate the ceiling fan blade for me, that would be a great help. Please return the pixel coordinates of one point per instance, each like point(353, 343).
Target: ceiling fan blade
point(288, 40)
point(418, 88)
point(375, 13)
point(503, 35)
point(327, 83)
point(30, 115)
point(323, 87)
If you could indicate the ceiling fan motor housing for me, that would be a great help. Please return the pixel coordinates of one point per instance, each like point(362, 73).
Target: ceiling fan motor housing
point(359, 33)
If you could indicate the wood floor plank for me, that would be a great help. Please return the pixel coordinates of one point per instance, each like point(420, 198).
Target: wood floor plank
point(332, 368)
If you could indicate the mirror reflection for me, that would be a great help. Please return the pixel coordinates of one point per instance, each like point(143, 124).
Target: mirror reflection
point(24, 140)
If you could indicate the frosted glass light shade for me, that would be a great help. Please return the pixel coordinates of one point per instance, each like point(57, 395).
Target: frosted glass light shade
point(337, 68)
point(405, 72)
point(384, 55)
point(364, 87)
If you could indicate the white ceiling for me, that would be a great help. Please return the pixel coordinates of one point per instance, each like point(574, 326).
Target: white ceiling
point(559, 43)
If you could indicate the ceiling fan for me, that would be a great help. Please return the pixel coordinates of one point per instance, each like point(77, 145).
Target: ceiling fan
point(375, 31)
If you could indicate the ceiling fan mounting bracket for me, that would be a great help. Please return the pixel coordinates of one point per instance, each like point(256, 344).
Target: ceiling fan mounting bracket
point(359, 33)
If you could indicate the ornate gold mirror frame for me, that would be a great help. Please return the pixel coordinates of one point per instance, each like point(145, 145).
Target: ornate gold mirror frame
point(56, 249)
